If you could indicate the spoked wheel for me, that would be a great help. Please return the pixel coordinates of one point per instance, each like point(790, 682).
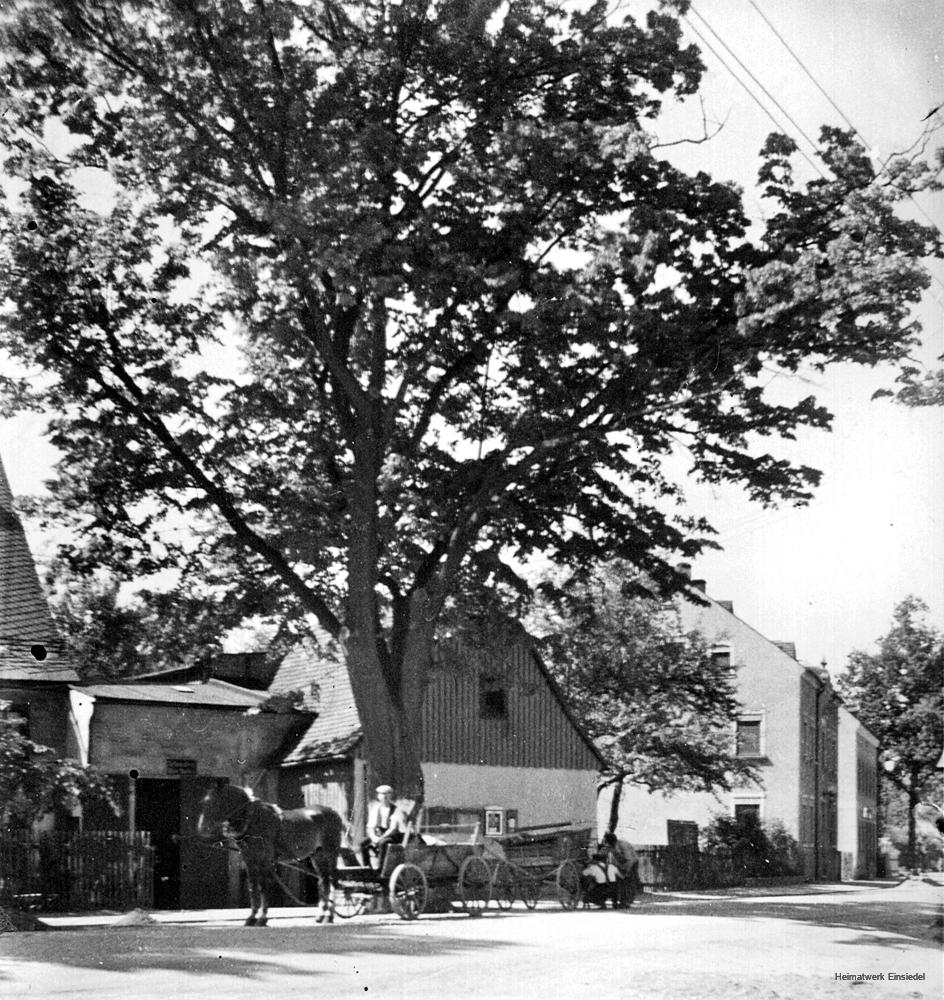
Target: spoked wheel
point(475, 884)
point(569, 890)
point(503, 885)
point(529, 889)
point(408, 891)
point(348, 903)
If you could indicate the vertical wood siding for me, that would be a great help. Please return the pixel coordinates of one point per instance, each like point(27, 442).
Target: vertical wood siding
point(535, 731)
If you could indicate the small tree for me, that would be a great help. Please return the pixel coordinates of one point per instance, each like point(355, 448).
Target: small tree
point(898, 693)
point(33, 781)
point(659, 708)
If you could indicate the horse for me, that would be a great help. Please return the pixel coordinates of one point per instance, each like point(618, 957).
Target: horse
point(265, 834)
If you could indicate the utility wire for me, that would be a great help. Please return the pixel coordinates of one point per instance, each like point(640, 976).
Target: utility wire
point(841, 113)
point(765, 91)
point(783, 42)
point(750, 93)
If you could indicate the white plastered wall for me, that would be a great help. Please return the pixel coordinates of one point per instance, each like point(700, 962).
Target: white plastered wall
point(541, 795)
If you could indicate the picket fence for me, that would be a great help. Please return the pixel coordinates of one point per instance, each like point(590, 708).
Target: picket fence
point(69, 872)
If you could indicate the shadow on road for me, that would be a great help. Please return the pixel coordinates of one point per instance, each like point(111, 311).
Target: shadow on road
point(227, 951)
point(911, 919)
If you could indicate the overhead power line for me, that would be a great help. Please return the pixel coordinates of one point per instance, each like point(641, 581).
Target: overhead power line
point(841, 113)
point(757, 82)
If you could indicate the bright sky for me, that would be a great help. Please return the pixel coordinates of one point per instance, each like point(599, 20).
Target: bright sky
point(826, 576)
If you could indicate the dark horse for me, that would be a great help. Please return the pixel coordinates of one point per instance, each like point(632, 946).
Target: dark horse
point(266, 834)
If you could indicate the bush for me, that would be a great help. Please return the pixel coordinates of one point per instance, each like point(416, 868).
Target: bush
point(757, 851)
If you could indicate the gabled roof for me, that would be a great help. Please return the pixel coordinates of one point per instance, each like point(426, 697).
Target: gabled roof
point(25, 621)
point(318, 670)
point(211, 694)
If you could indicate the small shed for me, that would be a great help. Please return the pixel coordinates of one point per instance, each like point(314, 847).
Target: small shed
point(164, 746)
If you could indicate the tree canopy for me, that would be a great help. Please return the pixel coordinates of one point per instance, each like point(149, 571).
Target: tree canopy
point(898, 692)
point(660, 709)
point(109, 635)
point(475, 308)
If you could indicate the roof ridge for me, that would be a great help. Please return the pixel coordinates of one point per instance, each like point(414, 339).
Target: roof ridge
point(30, 644)
point(6, 494)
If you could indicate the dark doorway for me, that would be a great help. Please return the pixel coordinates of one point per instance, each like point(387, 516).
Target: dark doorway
point(204, 867)
point(158, 810)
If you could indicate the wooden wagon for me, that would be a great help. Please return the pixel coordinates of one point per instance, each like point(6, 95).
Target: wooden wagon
point(411, 873)
point(554, 853)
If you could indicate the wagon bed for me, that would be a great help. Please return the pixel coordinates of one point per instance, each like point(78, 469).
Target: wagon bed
point(409, 871)
point(532, 856)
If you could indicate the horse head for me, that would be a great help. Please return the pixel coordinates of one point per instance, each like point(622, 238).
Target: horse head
point(223, 811)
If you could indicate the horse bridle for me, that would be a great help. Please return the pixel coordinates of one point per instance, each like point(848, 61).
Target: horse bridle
point(226, 821)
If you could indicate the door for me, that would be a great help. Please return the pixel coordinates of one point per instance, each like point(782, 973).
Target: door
point(158, 810)
point(204, 868)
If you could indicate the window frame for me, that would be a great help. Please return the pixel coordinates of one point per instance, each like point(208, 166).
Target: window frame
point(751, 718)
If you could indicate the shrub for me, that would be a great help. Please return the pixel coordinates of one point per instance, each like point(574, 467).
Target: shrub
point(756, 850)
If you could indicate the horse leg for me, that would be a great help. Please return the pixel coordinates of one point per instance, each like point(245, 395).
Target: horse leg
point(254, 893)
point(265, 890)
point(323, 868)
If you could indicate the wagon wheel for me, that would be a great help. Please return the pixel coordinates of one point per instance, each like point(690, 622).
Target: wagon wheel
point(529, 889)
point(474, 884)
point(348, 903)
point(503, 885)
point(408, 891)
point(569, 889)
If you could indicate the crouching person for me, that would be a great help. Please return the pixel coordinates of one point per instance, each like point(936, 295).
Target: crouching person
point(601, 882)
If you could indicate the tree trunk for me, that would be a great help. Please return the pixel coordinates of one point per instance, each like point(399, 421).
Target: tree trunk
point(390, 732)
point(616, 781)
point(913, 800)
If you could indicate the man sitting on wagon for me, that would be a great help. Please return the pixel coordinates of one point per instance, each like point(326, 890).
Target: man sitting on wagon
point(386, 825)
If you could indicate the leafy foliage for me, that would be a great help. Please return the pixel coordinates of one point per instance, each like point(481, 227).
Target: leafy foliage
point(758, 850)
point(110, 634)
point(476, 310)
point(898, 692)
point(34, 782)
point(658, 707)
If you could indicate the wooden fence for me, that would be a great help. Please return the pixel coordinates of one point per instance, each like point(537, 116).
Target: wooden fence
point(683, 866)
point(63, 872)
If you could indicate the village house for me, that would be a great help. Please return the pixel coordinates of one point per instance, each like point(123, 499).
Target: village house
point(34, 674)
point(788, 726)
point(499, 748)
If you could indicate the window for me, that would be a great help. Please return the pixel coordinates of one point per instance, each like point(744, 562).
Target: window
point(743, 810)
point(721, 656)
point(492, 700)
point(681, 831)
point(748, 738)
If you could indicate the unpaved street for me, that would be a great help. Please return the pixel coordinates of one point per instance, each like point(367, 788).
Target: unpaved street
point(672, 946)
